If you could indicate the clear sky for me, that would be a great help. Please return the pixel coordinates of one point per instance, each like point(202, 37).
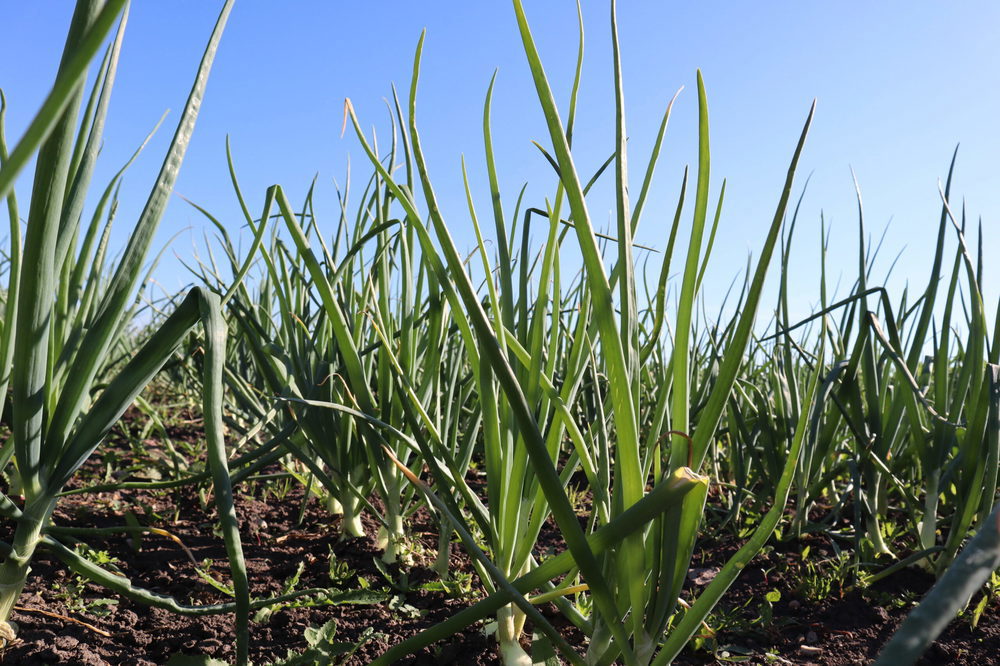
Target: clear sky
point(899, 85)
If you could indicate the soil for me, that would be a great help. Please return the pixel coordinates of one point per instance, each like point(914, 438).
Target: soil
point(843, 626)
point(847, 627)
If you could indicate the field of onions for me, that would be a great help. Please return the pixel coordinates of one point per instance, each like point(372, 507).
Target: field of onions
point(355, 443)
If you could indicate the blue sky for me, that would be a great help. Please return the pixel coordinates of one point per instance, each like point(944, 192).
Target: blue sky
point(899, 85)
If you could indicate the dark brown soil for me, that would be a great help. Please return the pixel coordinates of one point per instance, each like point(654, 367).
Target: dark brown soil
point(840, 627)
point(141, 635)
point(275, 545)
point(276, 541)
point(847, 627)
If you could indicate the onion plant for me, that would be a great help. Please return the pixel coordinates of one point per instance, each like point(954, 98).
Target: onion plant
point(315, 326)
point(963, 578)
point(906, 427)
point(294, 350)
point(530, 362)
point(63, 317)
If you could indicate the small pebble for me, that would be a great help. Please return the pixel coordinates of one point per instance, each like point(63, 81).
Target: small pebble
point(794, 604)
point(811, 637)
